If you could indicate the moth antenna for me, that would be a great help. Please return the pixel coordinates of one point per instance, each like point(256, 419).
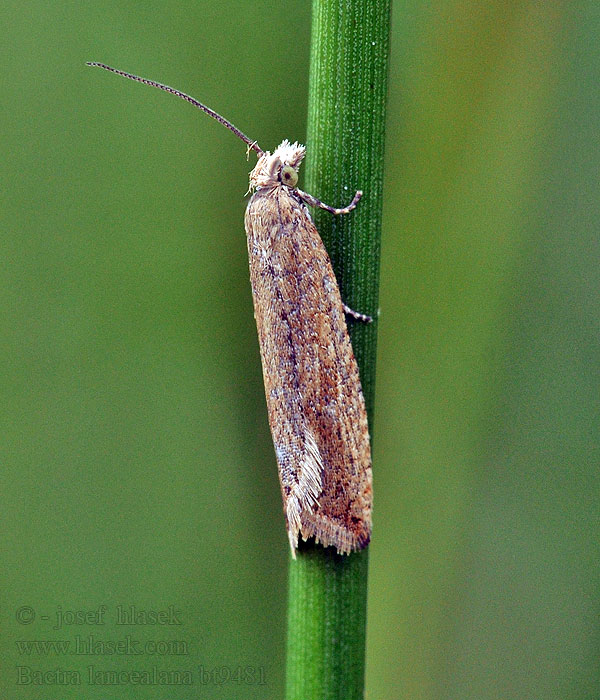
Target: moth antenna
point(211, 113)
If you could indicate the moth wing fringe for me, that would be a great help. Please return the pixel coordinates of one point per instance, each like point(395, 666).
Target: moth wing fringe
point(329, 533)
point(305, 493)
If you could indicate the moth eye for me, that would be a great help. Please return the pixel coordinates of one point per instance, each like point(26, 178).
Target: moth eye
point(289, 176)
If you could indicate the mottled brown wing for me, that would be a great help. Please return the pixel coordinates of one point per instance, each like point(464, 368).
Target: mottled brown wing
point(314, 398)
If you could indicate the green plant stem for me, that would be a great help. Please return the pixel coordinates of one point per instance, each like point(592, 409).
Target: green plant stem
point(345, 141)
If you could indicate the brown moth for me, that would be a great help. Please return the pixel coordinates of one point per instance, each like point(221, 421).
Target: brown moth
point(314, 398)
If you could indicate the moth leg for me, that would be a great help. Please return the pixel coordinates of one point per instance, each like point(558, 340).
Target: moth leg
point(251, 146)
point(314, 202)
point(356, 315)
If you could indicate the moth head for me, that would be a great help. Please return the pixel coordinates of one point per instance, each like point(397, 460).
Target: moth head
point(279, 167)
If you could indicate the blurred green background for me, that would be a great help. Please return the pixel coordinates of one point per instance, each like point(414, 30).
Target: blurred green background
point(137, 468)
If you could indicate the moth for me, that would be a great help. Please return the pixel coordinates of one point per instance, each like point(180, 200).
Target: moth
point(314, 398)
